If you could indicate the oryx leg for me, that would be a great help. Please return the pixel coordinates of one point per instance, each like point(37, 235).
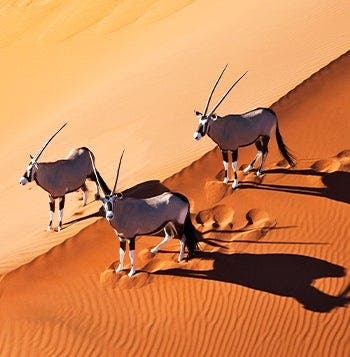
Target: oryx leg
point(51, 212)
point(84, 191)
point(225, 162)
point(264, 148)
point(258, 155)
point(182, 247)
point(122, 248)
point(169, 231)
point(234, 168)
point(132, 256)
point(60, 212)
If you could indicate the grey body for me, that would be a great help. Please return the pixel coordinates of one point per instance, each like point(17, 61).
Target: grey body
point(63, 176)
point(232, 131)
point(133, 217)
point(236, 130)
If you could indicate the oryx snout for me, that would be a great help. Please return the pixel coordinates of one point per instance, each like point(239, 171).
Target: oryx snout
point(197, 135)
point(23, 180)
point(109, 215)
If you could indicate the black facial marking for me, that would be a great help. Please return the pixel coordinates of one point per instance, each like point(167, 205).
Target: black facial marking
point(109, 205)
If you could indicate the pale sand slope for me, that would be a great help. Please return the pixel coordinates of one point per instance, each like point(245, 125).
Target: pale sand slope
point(129, 74)
point(271, 279)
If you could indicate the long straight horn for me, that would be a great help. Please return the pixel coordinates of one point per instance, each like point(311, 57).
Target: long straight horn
point(36, 157)
point(212, 91)
point(229, 90)
point(116, 179)
point(95, 172)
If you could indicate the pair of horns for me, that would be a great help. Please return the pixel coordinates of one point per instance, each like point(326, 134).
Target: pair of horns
point(38, 154)
point(116, 179)
point(224, 96)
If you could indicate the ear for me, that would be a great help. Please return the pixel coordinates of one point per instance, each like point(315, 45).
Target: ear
point(197, 114)
point(119, 195)
point(213, 117)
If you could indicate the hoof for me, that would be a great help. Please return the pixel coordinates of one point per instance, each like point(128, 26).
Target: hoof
point(234, 184)
point(154, 251)
point(97, 196)
point(259, 173)
point(48, 229)
point(119, 269)
point(225, 180)
point(180, 259)
point(131, 272)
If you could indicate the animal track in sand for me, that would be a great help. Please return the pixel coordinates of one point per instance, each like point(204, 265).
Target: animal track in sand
point(340, 162)
point(215, 191)
point(218, 216)
point(110, 279)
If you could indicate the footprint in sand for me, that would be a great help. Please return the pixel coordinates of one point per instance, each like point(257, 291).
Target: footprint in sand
point(340, 162)
point(217, 216)
point(109, 279)
point(259, 222)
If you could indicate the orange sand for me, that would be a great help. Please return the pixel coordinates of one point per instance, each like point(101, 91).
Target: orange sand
point(271, 279)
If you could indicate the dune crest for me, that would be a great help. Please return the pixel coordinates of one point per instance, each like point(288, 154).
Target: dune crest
point(272, 276)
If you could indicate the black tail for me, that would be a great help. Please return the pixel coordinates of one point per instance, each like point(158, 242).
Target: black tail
point(284, 149)
point(92, 177)
point(191, 233)
point(192, 237)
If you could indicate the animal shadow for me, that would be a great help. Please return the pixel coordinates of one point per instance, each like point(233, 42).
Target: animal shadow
point(336, 184)
point(286, 275)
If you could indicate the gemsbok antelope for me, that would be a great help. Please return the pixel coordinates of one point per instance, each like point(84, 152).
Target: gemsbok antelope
point(236, 130)
point(63, 176)
point(132, 217)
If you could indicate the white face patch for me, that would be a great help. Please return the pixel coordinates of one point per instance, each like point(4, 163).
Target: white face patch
point(197, 135)
point(23, 181)
point(108, 206)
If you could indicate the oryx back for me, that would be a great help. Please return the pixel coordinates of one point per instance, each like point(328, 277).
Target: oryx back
point(67, 175)
point(134, 217)
point(236, 130)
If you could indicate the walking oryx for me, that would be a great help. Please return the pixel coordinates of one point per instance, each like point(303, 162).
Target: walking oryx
point(62, 176)
point(132, 217)
point(236, 130)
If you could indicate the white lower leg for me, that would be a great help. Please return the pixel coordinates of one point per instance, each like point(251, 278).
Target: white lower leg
point(251, 165)
point(60, 217)
point(132, 263)
point(182, 248)
point(226, 171)
point(235, 180)
point(158, 246)
point(50, 220)
point(259, 172)
point(84, 198)
point(121, 260)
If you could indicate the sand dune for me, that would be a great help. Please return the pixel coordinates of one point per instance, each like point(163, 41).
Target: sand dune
point(272, 268)
point(272, 275)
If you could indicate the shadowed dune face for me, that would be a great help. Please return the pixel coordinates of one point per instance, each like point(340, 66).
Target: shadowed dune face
point(287, 275)
point(272, 278)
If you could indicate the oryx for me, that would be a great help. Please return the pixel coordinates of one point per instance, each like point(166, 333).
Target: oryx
point(236, 130)
point(61, 177)
point(132, 217)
